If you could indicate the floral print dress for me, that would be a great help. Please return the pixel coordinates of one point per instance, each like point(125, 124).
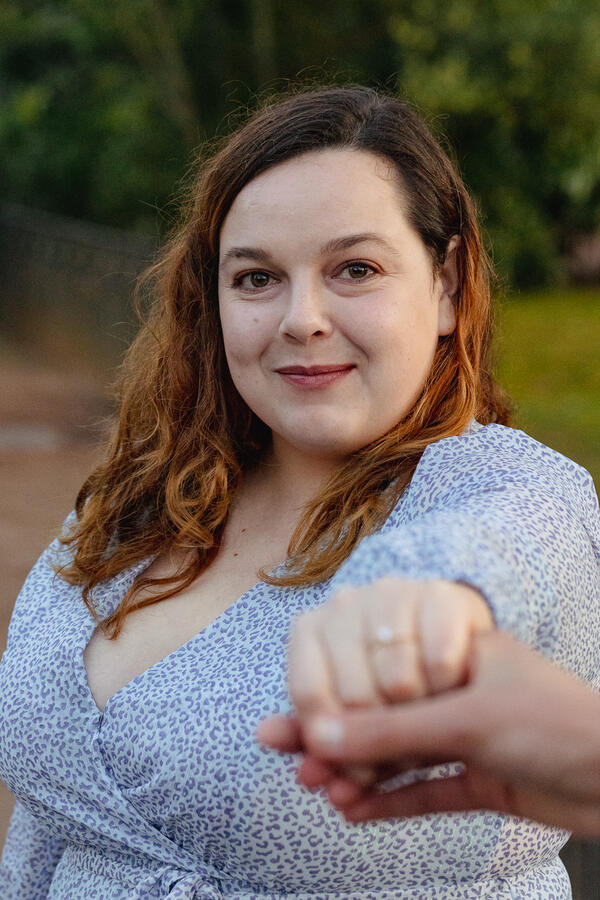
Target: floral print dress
point(167, 794)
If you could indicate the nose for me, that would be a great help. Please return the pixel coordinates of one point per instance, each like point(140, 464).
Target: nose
point(306, 313)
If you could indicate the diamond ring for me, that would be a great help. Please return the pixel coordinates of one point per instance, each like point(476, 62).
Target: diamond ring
point(384, 636)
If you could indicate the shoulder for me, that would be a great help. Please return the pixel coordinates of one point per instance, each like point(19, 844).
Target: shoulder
point(44, 591)
point(497, 449)
point(487, 458)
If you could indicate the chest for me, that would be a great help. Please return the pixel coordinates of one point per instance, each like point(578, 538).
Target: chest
point(155, 631)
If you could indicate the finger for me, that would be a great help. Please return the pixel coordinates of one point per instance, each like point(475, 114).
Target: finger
point(342, 676)
point(458, 793)
point(280, 733)
point(342, 634)
point(481, 615)
point(445, 627)
point(343, 792)
point(309, 678)
point(341, 631)
point(443, 728)
point(399, 671)
point(451, 615)
point(364, 776)
point(284, 733)
point(397, 666)
point(313, 772)
point(473, 791)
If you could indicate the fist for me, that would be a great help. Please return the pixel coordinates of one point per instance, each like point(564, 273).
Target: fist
point(390, 641)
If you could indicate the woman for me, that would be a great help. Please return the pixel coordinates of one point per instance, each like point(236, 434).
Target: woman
point(310, 404)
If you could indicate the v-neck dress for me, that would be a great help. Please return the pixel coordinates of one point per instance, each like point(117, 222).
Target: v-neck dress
point(167, 794)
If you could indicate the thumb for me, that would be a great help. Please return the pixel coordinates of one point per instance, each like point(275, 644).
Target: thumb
point(441, 728)
point(280, 733)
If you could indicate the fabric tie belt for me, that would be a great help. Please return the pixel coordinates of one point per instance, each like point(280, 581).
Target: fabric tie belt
point(177, 885)
point(147, 879)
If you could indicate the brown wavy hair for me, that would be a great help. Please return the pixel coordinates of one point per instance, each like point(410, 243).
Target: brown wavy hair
point(184, 436)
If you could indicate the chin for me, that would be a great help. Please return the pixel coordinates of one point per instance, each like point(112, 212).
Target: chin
point(323, 434)
point(332, 446)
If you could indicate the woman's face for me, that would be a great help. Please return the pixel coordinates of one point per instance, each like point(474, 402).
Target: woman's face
point(329, 307)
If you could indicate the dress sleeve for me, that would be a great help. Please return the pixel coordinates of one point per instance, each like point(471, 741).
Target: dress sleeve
point(30, 856)
point(518, 523)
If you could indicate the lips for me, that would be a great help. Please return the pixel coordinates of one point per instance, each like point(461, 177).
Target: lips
point(314, 370)
point(315, 378)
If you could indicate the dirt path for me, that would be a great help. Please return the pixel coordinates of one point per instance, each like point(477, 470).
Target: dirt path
point(48, 444)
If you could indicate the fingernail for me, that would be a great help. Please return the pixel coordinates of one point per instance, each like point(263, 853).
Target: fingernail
point(326, 730)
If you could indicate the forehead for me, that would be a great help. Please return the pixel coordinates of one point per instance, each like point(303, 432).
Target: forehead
point(324, 190)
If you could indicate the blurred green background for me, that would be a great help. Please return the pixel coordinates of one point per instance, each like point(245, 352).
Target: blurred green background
point(103, 102)
point(548, 352)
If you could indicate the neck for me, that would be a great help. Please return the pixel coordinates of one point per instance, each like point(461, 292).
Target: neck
point(291, 478)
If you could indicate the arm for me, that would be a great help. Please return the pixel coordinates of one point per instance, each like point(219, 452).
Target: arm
point(31, 850)
point(514, 520)
point(519, 524)
point(30, 856)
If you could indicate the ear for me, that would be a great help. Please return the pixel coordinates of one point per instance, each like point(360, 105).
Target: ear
point(447, 283)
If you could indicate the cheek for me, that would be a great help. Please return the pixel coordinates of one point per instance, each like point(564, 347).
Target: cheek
point(245, 337)
point(400, 349)
point(408, 332)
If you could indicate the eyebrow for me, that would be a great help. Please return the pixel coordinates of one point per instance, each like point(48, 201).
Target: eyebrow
point(341, 243)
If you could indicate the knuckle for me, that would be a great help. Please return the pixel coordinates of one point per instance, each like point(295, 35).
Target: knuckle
point(305, 622)
point(443, 672)
point(306, 696)
point(344, 598)
point(356, 698)
point(394, 588)
point(398, 686)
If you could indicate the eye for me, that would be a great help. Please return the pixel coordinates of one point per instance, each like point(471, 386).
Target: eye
point(257, 278)
point(358, 270)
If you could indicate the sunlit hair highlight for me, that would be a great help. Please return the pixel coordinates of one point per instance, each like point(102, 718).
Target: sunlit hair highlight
point(184, 437)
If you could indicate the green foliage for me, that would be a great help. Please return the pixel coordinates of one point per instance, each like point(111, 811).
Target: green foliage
point(549, 344)
point(102, 103)
point(515, 86)
point(81, 131)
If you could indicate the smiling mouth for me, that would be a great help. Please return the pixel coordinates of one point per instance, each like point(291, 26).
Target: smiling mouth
point(314, 377)
point(313, 370)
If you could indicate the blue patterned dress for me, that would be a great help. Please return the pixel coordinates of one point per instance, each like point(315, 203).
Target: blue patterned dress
point(167, 793)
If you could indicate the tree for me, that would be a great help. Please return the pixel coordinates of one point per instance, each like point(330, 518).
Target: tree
point(516, 87)
point(101, 104)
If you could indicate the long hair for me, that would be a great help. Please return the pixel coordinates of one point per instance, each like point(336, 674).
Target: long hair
point(184, 436)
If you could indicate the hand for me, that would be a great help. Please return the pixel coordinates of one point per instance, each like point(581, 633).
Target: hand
point(528, 733)
point(335, 662)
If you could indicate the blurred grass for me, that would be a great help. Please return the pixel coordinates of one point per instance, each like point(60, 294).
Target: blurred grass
point(548, 353)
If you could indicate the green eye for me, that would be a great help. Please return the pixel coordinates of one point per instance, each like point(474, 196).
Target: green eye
point(358, 270)
point(258, 279)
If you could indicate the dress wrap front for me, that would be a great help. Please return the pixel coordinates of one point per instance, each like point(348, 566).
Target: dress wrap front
point(167, 794)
